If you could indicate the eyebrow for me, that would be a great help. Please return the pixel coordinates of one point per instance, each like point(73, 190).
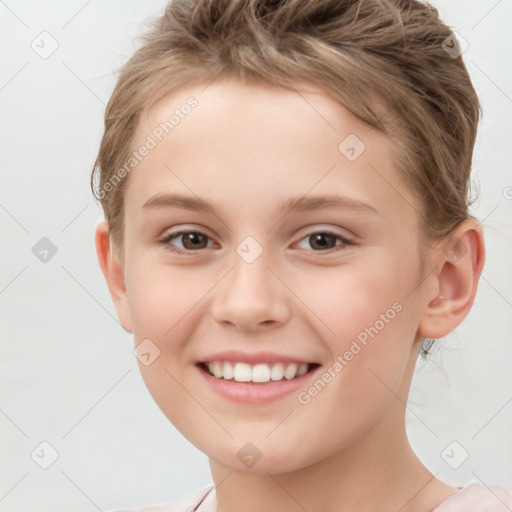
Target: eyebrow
point(301, 204)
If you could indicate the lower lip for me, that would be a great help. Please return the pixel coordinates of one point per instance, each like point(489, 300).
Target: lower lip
point(255, 392)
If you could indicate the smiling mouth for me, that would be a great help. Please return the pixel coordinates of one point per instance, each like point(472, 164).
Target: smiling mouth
point(256, 373)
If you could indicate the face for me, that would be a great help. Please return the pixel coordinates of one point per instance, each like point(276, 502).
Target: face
point(269, 234)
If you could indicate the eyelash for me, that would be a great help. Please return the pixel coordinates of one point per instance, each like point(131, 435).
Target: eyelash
point(166, 241)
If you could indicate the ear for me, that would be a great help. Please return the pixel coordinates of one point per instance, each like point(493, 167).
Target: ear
point(459, 260)
point(113, 270)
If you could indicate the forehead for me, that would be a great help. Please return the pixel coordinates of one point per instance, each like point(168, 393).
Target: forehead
point(248, 140)
point(258, 104)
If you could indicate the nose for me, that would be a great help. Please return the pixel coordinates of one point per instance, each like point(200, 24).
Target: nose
point(251, 297)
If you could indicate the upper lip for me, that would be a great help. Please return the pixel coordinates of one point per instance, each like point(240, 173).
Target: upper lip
point(252, 358)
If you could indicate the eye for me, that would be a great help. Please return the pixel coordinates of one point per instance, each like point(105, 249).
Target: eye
point(325, 240)
point(191, 241)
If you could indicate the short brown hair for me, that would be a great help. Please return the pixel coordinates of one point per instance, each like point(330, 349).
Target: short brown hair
point(358, 51)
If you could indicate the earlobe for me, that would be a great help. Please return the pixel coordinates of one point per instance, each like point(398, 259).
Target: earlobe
point(113, 271)
point(459, 260)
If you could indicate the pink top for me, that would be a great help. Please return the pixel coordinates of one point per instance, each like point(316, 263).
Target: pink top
point(481, 498)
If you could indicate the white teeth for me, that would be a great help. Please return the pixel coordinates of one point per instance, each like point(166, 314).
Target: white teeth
point(217, 369)
point(228, 371)
point(277, 372)
point(261, 373)
point(243, 372)
point(290, 371)
point(303, 368)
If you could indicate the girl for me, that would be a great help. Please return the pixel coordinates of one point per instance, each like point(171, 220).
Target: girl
point(285, 189)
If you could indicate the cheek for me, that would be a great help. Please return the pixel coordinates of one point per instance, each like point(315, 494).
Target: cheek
point(356, 301)
point(372, 319)
point(161, 296)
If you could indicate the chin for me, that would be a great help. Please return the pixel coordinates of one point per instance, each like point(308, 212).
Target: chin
point(261, 457)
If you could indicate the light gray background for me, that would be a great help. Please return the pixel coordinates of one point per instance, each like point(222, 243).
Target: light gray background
point(68, 372)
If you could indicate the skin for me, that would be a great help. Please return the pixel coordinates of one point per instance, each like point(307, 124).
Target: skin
point(244, 149)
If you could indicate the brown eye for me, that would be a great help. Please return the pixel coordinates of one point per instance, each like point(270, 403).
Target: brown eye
point(323, 241)
point(194, 240)
point(190, 241)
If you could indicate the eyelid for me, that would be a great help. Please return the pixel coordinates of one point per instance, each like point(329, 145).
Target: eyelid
point(336, 231)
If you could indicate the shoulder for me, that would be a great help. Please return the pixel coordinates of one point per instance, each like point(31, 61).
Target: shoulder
point(188, 503)
point(478, 498)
